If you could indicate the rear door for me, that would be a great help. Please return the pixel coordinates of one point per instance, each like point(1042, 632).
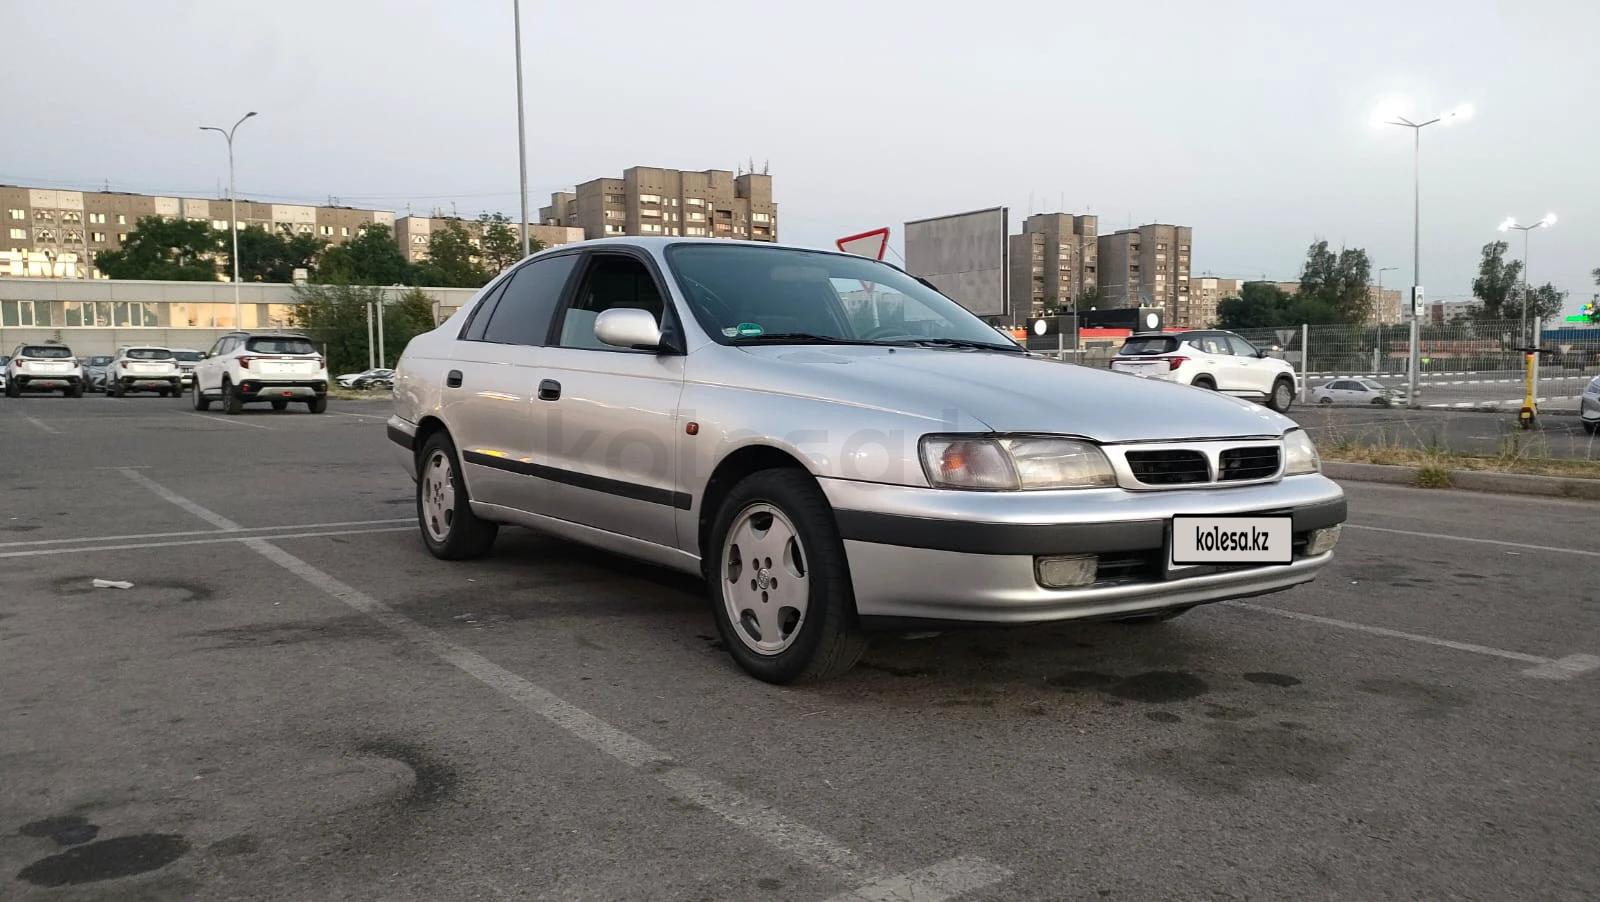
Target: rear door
point(606, 418)
point(1219, 361)
point(492, 378)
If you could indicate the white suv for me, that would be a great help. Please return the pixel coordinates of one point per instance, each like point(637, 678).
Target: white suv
point(43, 367)
point(246, 367)
point(1211, 359)
point(143, 369)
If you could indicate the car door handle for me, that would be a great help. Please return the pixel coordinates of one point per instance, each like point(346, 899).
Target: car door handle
point(452, 379)
point(549, 390)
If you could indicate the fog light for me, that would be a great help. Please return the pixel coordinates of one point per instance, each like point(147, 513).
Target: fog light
point(1066, 571)
point(1321, 541)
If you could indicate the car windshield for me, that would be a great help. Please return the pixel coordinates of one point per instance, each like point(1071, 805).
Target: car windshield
point(1148, 344)
point(50, 352)
point(149, 354)
point(186, 356)
point(280, 345)
point(754, 295)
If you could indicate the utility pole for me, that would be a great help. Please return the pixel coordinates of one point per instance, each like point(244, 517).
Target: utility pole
point(233, 217)
point(522, 131)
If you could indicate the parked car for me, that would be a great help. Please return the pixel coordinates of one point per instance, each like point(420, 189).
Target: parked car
point(46, 367)
point(1212, 359)
point(247, 367)
point(1589, 407)
point(378, 377)
point(187, 358)
point(4, 359)
point(136, 369)
point(1356, 391)
point(715, 407)
point(94, 372)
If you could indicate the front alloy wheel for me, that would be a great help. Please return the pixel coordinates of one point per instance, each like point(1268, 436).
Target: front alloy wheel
point(765, 586)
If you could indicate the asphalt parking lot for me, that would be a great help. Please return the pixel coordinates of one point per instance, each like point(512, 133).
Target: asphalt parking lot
point(295, 701)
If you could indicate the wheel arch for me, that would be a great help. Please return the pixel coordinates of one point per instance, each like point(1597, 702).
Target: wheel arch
point(736, 466)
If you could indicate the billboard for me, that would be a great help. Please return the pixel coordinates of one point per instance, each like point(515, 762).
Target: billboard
point(964, 256)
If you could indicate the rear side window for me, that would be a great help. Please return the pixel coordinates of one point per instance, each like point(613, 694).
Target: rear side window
point(522, 317)
point(149, 354)
point(280, 346)
point(52, 352)
point(1152, 344)
point(1213, 344)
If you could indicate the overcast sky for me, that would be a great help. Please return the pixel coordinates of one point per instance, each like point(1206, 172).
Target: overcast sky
point(1246, 120)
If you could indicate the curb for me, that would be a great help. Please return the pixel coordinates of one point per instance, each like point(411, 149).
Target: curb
point(1470, 480)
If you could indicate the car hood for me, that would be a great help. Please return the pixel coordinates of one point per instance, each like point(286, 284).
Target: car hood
point(1011, 392)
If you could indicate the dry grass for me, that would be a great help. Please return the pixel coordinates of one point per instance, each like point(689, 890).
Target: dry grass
point(347, 394)
point(1434, 463)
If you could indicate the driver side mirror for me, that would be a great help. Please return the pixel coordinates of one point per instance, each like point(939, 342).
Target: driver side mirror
point(628, 327)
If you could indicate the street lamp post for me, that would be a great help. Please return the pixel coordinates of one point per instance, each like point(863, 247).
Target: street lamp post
point(1389, 115)
point(522, 133)
point(1377, 344)
point(233, 217)
point(1509, 224)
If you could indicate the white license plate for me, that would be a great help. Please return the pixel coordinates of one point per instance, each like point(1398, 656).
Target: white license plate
point(1141, 369)
point(1199, 541)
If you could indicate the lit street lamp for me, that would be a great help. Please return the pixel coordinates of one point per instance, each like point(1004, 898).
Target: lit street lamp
point(1509, 224)
point(1390, 113)
point(233, 198)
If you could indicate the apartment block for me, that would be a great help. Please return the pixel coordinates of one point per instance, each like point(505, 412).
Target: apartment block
point(53, 233)
point(413, 232)
point(1148, 266)
point(1205, 293)
point(648, 201)
point(1053, 262)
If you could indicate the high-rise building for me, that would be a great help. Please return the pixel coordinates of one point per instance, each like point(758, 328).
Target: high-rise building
point(649, 201)
point(1205, 292)
point(54, 233)
point(1149, 267)
point(413, 233)
point(1053, 262)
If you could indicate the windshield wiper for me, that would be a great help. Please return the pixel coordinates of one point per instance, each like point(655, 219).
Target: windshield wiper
point(965, 343)
point(805, 338)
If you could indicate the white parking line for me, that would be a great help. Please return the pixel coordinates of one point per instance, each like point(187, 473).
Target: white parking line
point(210, 516)
point(295, 527)
point(43, 425)
point(1503, 544)
point(1564, 668)
point(215, 539)
point(941, 881)
point(231, 421)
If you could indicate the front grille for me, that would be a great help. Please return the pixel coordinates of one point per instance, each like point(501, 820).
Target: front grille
point(1176, 467)
point(1259, 462)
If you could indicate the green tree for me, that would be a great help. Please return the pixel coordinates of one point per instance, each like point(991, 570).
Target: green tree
point(501, 244)
point(452, 260)
point(404, 318)
point(1496, 282)
point(1544, 302)
point(1259, 305)
point(1337, 282)
point(170, 249)
point(335, 317)
point(272, 256)
point(370, 258)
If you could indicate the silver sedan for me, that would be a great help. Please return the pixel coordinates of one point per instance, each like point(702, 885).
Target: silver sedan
point(1589, 407)
point(836, 448)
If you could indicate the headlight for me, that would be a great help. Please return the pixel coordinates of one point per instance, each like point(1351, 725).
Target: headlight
point(1299, 454)
point(1014, 463)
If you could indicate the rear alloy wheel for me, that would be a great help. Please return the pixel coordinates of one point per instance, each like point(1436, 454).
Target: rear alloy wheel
point(1282, 397)
point(450, 529)
point(200, 402)
point(232, 401)
point(780, 589)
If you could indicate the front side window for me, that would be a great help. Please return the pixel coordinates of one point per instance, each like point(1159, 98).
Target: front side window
point(1242, 348)
point(613, 281)
point(742, 295)
point(522, 315)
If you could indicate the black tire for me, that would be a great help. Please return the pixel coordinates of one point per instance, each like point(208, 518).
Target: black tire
point(200, 400)
point(1325, 402)
point(1282, 397)
point(317, 405)
point(113, 390)
point(828, 639)
point(280, 405)
point(232, 401)
point(76, 391)
point(1156, 617)
point(1205, 382)
point(13, 389)
point(1591, 426)
point(459, 534)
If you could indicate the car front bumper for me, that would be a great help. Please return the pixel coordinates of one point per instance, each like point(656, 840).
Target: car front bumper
point(919, 557)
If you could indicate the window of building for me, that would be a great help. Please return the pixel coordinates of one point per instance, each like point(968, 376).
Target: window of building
point(761, 217)
point(19, 234)
point(649, 198)
point(615, 214)
point(122, 237)
point(419, 239)
point(17, 213)
point(71, 216)
point(44, 216)
point(98, 218)
point(16, 313)
point(650, 227)
point(696, 231)
point(694, 201)
point(98, 237)
point(1183, 247)
point(303, 228)
point(122, 219)
point(1161, 247)
point(696, 216)
point(651, 213)
point(344, 231)
point(613, 229)
point(219, 223)
point(1161, 256)
point(617, 199)
point(326, 230)
point(672, 201)
point(45, 235)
